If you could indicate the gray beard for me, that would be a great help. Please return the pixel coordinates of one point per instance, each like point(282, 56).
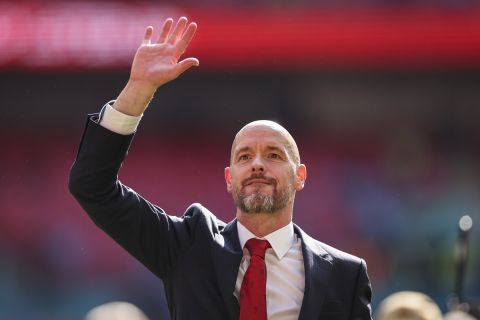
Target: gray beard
point(258, 202)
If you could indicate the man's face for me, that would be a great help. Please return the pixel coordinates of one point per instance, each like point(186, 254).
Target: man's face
point(263, 175)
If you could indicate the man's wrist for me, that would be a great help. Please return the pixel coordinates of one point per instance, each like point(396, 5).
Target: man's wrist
point(135, 97)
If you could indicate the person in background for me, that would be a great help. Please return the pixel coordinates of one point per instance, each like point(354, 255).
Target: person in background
point(117, 310)
point(408, 305)
point(260, 265)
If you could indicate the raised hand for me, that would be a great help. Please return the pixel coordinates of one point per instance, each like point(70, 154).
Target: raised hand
point(156, 63)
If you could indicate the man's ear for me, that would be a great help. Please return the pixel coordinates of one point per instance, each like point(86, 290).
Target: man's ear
point(300, 177)
point(228, 179)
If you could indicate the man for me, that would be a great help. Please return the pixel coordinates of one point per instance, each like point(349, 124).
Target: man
point(257, 266)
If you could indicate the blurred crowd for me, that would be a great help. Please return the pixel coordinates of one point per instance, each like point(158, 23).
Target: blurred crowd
point(404, 223)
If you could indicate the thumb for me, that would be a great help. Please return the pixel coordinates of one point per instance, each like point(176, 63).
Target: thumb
point(186, 64)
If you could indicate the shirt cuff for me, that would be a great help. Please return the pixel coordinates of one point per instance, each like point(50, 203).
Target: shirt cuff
point(117, 121)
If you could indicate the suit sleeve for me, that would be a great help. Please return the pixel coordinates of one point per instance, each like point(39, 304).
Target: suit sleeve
point(363, 295)
point(143, 229)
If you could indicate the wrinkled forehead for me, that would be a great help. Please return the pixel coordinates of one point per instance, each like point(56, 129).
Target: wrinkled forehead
point(265, 129)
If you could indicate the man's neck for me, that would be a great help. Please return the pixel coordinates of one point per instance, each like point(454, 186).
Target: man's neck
point(262, 224)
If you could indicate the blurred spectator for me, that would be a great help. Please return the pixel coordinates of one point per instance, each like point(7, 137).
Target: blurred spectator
point(408, 305)
point(116, 310)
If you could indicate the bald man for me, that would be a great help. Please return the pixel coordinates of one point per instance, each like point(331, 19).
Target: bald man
point(260, 265)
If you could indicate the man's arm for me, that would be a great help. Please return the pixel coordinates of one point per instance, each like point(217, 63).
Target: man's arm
point(140, 227)
point(363, 296)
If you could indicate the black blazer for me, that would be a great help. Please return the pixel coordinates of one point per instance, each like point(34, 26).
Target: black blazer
point(198, 256)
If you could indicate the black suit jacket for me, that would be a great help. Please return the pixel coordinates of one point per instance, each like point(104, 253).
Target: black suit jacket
point(198, 256)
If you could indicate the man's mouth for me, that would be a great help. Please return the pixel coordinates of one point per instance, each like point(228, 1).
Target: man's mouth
point(258, 180)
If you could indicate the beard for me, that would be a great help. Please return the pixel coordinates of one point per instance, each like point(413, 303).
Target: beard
point(258, 202)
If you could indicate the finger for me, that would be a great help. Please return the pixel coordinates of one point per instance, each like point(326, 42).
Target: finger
point(186, 64)
point(147, 35)
point(187, 37)
point(166, 28)
point(178, 31)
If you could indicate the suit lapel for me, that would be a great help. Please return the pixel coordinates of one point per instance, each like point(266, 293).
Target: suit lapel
point(228, 255)
point(227, 258)
point(317, 275)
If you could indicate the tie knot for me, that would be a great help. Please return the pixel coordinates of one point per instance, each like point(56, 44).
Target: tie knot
point(257, 247)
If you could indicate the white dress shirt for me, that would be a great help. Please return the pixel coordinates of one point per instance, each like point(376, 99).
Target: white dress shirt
point(284, 261)
point(285, 271)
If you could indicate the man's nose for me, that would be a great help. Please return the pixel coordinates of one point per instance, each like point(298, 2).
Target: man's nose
point(257, 164)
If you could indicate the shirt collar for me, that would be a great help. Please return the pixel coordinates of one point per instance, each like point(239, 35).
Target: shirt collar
point(281, 240)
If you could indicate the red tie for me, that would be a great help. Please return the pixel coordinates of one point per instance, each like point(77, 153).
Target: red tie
point(253, 299)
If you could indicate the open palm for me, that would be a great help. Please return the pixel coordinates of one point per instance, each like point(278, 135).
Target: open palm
point(157, 63)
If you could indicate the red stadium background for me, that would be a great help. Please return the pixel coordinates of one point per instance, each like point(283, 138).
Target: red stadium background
point(383, 99)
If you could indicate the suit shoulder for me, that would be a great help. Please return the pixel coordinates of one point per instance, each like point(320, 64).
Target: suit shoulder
point(345, 264)
point(202, 217)
point(339, 254)
point(321, 248)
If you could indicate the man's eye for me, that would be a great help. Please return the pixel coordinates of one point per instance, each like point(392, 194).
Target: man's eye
point(243, 157)
point(274, 156)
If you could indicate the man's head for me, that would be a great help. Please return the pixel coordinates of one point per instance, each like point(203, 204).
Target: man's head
point(117, 310)
point(408, 305)
point(265, 169)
